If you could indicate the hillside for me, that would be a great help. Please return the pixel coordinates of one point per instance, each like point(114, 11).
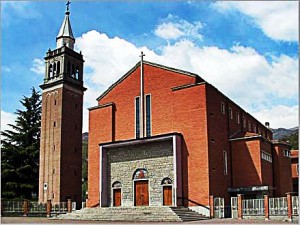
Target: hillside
point(283, 132)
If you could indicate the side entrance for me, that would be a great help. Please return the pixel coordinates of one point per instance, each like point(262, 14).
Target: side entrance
point(117, 197)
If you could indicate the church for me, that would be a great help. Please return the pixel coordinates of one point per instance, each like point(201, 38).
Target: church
point(159, 136)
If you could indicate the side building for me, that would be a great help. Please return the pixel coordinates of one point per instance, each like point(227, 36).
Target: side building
point(162, 136)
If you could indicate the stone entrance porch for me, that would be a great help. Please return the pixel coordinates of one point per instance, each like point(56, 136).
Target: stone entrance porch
point(141, 169)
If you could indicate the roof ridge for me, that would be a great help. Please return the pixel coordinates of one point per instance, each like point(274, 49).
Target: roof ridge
point(147, 63)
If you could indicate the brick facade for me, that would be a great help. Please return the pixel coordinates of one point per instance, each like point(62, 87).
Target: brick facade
point(183, 102)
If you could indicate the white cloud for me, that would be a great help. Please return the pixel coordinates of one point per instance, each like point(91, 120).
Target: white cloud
point(240, 72)
point(174, 28)
point(38, 66)
point(277, 19)
point(7, 118)
point(280, 116)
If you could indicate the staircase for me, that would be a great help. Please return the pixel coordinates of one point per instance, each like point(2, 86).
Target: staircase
point(138, 214)
point(186, 214)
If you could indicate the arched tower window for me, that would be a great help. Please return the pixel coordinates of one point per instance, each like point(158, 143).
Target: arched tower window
point(73, 71)
point(54, 69)
point(77, 73)
point(58, 68)
point(140, 174)
point(68, 68)
point(50, 71)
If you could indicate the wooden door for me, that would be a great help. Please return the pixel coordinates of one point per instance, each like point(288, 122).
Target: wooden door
point(167, 195)
point(117, 197)
point(141, 193)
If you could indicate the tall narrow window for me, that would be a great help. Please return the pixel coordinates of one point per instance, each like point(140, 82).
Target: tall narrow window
point(225, 163)
point(148, 115)
point(50, 73)
point(69, 68)
point(238, 118)
point(230, 113)
point(222, 108)
point(58, 68)
point(73, 71)
point(77, 73)
point(54, 69)
point(137, 117)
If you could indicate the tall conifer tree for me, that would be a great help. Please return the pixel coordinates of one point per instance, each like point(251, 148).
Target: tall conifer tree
point(20, 151)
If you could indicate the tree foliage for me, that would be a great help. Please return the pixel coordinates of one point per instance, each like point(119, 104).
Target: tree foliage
point(292, 140)
point(20, 151)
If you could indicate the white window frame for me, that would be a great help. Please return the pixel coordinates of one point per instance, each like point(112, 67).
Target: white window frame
point(287, 153)
point(266, 156)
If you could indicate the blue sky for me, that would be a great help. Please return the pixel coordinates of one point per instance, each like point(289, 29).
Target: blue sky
point(248, 50)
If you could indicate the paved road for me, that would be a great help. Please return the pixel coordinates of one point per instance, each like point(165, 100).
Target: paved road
point(41, 220)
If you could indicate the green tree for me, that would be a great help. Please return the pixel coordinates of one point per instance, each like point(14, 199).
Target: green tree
point(292, 140)
point(20, 151)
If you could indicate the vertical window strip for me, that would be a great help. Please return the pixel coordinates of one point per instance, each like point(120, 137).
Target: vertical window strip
point(137, 117)
point(225, 162)
point(148, 115)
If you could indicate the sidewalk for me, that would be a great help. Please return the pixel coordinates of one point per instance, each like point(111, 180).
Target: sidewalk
point(41, 220)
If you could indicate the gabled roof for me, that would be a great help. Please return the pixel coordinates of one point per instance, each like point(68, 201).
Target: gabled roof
point(66, 29)
point(186, 73)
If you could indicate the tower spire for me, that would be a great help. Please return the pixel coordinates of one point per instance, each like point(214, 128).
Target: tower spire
point(65, 36)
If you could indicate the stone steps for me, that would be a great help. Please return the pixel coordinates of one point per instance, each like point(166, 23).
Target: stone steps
point(185, 214)
point(142, 214)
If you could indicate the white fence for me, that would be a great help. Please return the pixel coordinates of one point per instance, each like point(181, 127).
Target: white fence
point(253, 207)
point(278, 206)
point(295, 205)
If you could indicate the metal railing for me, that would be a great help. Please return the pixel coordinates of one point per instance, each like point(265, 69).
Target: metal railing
point(295, 205)
point(61, 207)
point(278, 206)
point(12, 206)
point(36, 207)
point(253, 207)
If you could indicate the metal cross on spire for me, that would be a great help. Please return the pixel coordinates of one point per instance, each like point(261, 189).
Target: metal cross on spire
point(68, 3)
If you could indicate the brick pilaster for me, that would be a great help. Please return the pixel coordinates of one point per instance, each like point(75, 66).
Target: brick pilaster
point(48, 208)
point(25, 207)
point(240, 198)
point(211, 206)
point(266, 203)
point(289, 206)
point(69, 205)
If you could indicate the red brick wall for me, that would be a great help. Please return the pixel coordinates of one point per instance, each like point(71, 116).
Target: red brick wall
point(58, 159)
point(266, 167)
point(282, 171)
point(218, 135)
point(246, 163)
point(71, 154)
point(50, 145)
point(190, 119)
point(100, 131)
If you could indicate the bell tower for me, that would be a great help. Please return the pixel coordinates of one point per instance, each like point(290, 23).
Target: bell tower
point(61, 124)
